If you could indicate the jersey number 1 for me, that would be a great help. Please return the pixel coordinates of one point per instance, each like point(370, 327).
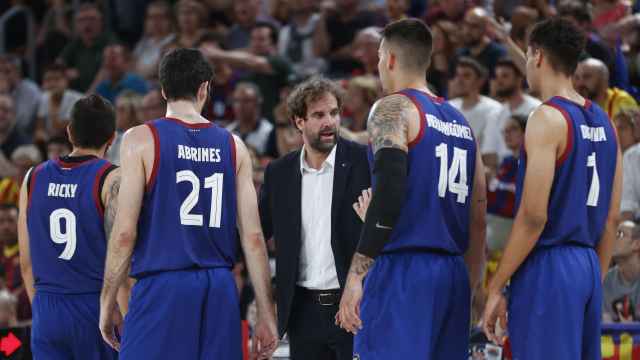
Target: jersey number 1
point(213, 182)
point(594, 189)
point(448, 174)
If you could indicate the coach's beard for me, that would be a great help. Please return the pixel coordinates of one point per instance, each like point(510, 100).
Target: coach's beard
point(325, 140)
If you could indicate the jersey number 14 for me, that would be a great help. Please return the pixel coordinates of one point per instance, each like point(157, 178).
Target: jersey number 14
point(448, 175)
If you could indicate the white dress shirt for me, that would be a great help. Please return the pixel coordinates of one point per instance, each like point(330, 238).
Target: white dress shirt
point(317, 265)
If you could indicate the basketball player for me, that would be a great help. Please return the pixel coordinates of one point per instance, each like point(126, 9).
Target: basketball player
point(427, 211)
point(185, 182)
point(67, 208)
point(568, 191)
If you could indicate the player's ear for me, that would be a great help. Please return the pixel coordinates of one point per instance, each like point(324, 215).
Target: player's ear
point(70, 135)
point(392, 61)
point(538, 57)
point(162, 94)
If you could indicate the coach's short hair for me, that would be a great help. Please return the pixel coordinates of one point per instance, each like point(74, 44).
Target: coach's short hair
point(93, 122)
point(561, 41)
point(309, 91)
point(415, 41)
point(182, 71)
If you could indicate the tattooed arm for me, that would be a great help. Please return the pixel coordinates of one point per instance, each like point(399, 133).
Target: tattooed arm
point(389, 126)
point(109, 194)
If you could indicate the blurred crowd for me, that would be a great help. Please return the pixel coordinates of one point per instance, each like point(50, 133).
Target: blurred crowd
point(54, 51)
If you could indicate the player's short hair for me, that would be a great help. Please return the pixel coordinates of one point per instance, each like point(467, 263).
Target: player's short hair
point(309, 91)
point(561, 41)
point(93, 122)
point(475, 66)
point(182, 71)
point(415, 41)
point(509, 63)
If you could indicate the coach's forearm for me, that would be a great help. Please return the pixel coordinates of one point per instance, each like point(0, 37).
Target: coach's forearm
point(120, 250)
point(255, 253)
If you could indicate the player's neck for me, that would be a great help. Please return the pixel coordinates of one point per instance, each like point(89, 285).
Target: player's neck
point(559, 86)
point(184, 110)
point(78, 152)
point(410, 81)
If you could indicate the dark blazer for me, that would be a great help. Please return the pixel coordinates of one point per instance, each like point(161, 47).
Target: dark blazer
point(280, 215)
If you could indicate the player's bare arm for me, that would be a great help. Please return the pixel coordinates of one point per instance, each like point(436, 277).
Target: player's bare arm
point(475, 256)
point(23, 240)
point(545, 141)
point(135, 144)
point(388, 128)
point(605, 246)
point(265, 337)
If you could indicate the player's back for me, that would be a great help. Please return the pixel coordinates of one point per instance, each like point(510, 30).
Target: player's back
point(188, 217)
point(582, 185)
point(65, 223)
point(441, 161)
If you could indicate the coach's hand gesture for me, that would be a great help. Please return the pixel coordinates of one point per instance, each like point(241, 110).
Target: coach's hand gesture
point(265, 337)
point(110, 322)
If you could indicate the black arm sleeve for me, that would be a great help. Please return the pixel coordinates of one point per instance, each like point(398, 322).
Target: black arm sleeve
point(390, 176)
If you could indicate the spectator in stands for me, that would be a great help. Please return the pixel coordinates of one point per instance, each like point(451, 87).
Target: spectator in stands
point(606, 12)
point(58, 147)
point(17, 32)
point(10, 260)
point(268, 70)
point(621, 287)
point(478, 109)
point(153, 106)
point(365, 49)
point(55, 32)
point(54, 110)
point(10, 137)
point(580, 14)
point(295, 42)
point(362, 92)
point(219, 108)
point(628, 126)
point(284, 139)
point(477, 44)
point(249, 124)
point(157, 35)
point(246, 16)
point(338, 27)
point(191, 17)
point(115, 75)
point(630, 204)
point(8, 309)
point(25, 93)
point(127, 110)
point(23, 158)
point(397, 9)
point(509, 88)
point(591, 80)
point(447, 10)
point(83, 55)
point(443, 51)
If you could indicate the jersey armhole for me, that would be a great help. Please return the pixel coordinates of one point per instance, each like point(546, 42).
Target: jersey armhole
point(101, 176)
point(232, 143)
point(423, 118)
point(31, 180)
point(156, 156)
point(569, 145)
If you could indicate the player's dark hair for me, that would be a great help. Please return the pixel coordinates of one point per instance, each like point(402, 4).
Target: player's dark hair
point(309, 91)
point(561, 41)
point(93, 122)
point(182, 71)
point(507, 62)
point(415, 40)
point(475, 66)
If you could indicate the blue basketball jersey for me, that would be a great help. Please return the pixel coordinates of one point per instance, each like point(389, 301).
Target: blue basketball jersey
point(188, 217)
point(582, 185)
point(441, 160)
point(65, 222)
